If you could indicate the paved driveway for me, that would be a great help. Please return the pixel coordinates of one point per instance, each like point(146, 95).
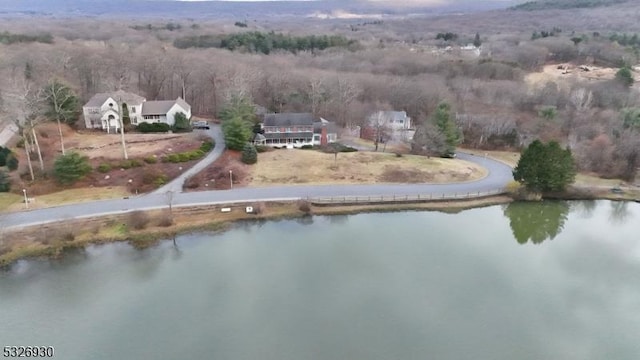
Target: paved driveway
point(176, 185)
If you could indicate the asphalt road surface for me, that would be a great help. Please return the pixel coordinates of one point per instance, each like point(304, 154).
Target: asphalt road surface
point(499, 175)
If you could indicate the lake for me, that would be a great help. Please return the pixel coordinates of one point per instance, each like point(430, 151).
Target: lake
point(551, 280)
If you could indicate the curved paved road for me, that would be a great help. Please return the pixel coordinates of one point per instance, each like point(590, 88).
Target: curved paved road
point(499, 176)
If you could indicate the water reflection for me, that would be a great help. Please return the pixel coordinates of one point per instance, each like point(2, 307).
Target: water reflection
point(619, 212)
point(536, 222)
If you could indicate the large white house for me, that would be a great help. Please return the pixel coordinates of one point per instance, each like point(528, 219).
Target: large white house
point(103, 110)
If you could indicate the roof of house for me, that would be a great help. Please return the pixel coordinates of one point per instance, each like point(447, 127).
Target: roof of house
point(331, 127)
point(391, 115)
point(98, 99)
point(288, 119)
point(296, 135)
point(161, 107)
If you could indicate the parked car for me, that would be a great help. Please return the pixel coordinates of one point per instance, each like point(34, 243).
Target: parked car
point(203, 125)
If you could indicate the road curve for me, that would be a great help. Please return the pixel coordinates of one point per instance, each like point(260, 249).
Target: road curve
point(499, 174)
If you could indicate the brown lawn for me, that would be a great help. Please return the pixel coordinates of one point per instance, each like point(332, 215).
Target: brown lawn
point(314, 167)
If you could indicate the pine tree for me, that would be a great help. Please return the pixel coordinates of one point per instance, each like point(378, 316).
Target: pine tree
point(447, 127)
point(476, 41)
point(544, 168)
point(71, 167)
point(249, 154)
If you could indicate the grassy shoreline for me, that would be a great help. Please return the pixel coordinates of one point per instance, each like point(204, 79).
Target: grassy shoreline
point(147, 228)
point(144, 229)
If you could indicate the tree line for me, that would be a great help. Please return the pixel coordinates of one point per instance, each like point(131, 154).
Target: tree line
point(261, 42)
point(10, 38)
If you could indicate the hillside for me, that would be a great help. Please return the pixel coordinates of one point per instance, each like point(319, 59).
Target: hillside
point(565, 4)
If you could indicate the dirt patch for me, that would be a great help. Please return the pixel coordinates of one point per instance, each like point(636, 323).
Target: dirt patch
point(216, 176)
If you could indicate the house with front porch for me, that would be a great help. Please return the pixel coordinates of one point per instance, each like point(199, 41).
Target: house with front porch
point(295, 130)
point(103, 110)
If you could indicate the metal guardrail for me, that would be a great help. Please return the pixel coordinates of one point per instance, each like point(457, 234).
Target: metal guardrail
point(401, 198)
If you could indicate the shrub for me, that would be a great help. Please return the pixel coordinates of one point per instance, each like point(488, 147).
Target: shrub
point(160, 180)
point(304, 206)
point(5, 182)
point(398, 155)
point(104, 168)
point(131, 163)
point(4, 153)
point(71, 167)
point(306, 147)
point(262, 148)
point(138, 220)
point(153, 127)
point(207, 146)
point(165, 220)
point(12, 162)
point(249, 154)
point(181, 123)
point(151, 160)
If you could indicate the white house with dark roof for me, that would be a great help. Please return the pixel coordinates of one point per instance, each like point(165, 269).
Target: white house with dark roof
point(103, 110)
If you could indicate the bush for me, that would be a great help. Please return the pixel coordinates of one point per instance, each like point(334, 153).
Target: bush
point(181, 123)
point(262, 148)
point(207, 146)
point(398, 155)
point(131, 163)
point(165, 219)
point(153, 127)
point(138, 220)
point(71, 167)
point(306, 147)
point(304, 206)
point(104, 168)
point(160, 180)
point(5, 182)
point(249, 154)
point(12, 162)
point(151, 160)
point(4, 154)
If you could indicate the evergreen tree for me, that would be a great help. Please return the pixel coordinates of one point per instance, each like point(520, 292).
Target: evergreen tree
point(12, 162)
point(181, 123)
point(126, 119)
point(447, 127)
point(625, 76)
point(476, 41)
point(236, 133)
point(249, 154)
point(5, 182)
point(62, 102)
point(71, 167)
point(545, 167)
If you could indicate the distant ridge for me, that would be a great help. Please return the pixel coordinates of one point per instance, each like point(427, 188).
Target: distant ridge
point(565, 4)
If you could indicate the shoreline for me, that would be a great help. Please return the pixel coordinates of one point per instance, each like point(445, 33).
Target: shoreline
point(143, 229)
point(146, 228)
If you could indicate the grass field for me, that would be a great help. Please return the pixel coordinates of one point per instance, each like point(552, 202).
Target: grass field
point(314, 167)
point(13, 202)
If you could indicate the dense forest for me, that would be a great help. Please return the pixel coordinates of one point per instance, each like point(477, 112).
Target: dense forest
point(503, 95)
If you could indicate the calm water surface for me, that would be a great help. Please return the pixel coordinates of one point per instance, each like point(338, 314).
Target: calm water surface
point(517, 282)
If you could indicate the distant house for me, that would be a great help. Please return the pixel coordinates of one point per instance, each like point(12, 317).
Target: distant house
point(296, 130)
point(387, 125)
point(103, 110)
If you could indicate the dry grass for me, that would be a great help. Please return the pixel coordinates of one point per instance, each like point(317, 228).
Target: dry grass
point(313, 167)
point(12, 202)
point(8, 200)
point(508, 157)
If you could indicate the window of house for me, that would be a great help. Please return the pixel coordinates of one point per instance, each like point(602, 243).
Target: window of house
point(133, 109)
point(288, 129)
